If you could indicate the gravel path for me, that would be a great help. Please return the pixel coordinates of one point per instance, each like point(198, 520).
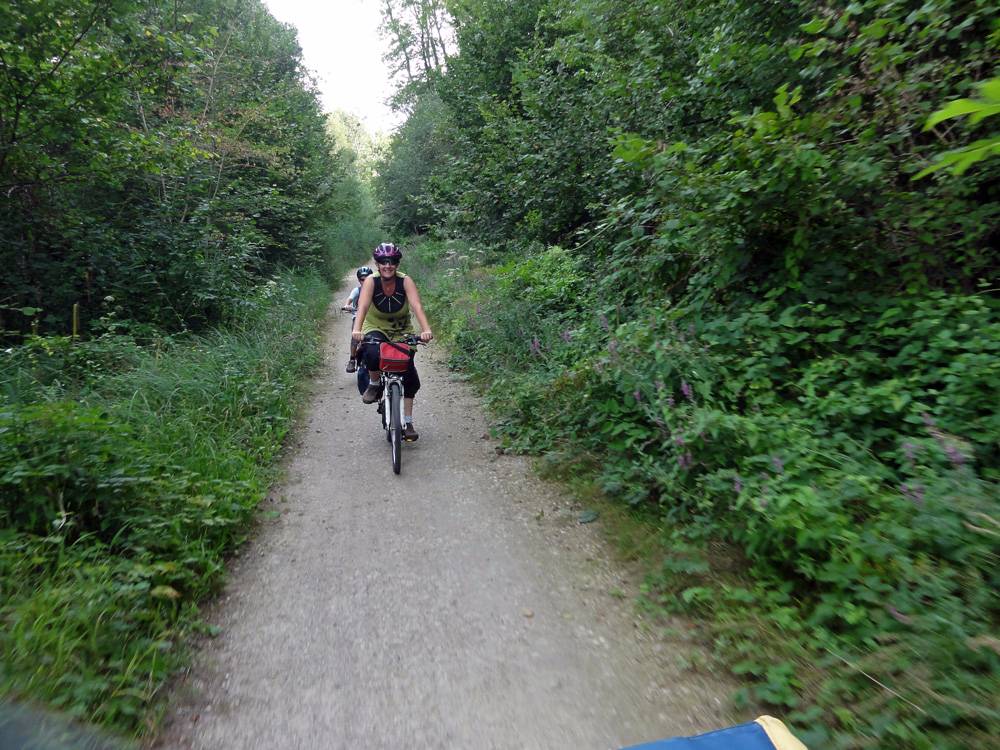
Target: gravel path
point(459, 605)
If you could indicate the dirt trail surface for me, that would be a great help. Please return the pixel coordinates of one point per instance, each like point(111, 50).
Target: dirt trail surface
point(458, 605)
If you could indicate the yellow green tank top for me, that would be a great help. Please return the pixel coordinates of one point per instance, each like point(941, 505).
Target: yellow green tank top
point(389, 314)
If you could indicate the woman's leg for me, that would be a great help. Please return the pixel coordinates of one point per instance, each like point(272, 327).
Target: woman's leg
point(411, 384)
point(369, 354)
point(371, 358)
point(352, 363)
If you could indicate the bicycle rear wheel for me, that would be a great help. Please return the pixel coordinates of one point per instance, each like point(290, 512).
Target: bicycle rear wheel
point(395, 426)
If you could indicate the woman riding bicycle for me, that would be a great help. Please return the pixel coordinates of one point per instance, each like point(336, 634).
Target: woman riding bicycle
point(384, 315)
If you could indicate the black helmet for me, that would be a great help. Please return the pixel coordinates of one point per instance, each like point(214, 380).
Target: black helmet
point(364, 272)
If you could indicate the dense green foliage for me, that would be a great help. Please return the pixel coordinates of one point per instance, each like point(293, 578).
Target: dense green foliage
point(168, 154)
point(403, 174)
point(165, 167)
point(127, 473)
point(354, 227)
point(958, 160)
point(696, 265)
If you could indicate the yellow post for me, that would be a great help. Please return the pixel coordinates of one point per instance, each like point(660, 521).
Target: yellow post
point(76, 320)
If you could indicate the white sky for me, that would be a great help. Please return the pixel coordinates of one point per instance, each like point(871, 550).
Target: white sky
point(341, 46)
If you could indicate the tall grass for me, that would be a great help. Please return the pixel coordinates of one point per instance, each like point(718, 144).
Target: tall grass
point(127, 473)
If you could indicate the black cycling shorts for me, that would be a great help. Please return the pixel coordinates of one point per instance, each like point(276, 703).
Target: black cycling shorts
point(368, 353)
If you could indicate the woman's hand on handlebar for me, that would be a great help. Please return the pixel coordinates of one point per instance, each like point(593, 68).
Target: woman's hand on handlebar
point(357, 335)
point(426, 336)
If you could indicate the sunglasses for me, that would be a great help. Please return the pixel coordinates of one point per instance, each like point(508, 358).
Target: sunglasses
point(388, 261)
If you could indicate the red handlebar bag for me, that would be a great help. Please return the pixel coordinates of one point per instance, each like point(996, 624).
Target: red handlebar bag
point(393, 357)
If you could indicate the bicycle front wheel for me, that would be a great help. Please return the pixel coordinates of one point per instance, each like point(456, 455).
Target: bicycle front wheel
point(395, 426)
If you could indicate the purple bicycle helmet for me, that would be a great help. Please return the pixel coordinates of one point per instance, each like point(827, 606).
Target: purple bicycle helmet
point(387, 251)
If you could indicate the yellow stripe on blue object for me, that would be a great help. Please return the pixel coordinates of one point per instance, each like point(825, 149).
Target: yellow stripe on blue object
point(766, 733)
point(779, 735)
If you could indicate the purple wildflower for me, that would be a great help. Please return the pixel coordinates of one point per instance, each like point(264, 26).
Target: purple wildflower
point(897, 615)
point(566, 336)
point(686, 460)
point(613, 348)
point(670, 401)
point(687, 390)
point(660, 385)
point(910, 450)
point(956, 456)
point(928, 420)
point(637, 395)
point(778, 464)
point(479, 309)
point(737, 484)
point(913, 493)
point(536, 347)
point(679, 440)
point(604, 322)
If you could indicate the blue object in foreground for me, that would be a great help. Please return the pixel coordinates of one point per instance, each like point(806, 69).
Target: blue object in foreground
point(766, 733)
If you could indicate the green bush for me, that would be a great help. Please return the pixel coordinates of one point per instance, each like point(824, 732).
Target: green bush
point(847, 458)
point(117, 508)
point(68, 469)
point(171, 155)
point(764, 333)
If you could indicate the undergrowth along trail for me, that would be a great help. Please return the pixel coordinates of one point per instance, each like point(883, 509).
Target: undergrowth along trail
point(734, 261)
point(833, 517)
point(127, 473)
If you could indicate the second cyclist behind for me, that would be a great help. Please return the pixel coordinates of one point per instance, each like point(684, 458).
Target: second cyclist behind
point(384, 307)
point(351, 305)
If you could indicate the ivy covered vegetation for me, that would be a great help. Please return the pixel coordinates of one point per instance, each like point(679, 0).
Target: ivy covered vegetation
point(708, 255)
point(173, 206)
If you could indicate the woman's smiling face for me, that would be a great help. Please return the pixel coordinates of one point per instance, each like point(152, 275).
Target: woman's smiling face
point(386, 269)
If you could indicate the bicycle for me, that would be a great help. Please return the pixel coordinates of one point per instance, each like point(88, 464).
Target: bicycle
point(394, 360)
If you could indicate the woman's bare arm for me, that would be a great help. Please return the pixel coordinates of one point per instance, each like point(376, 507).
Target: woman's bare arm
point(418, 309)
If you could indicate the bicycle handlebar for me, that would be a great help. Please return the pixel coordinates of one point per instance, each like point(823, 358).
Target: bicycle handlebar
point(410, 339)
